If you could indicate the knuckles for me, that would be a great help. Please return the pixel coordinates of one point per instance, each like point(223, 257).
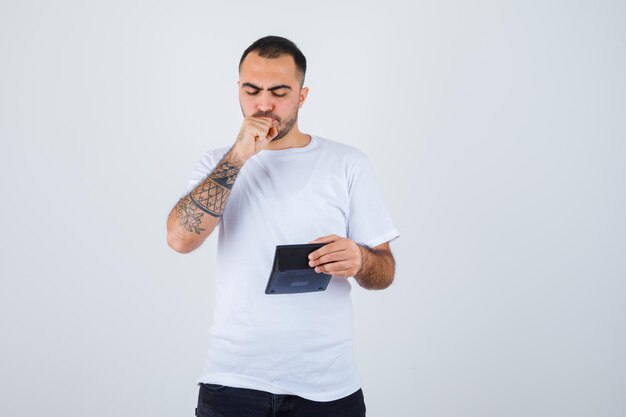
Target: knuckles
point(351, 260)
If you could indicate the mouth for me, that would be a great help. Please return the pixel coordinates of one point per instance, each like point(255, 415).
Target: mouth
point(271, 116)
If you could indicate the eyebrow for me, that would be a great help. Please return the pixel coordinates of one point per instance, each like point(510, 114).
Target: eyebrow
point(276, 87)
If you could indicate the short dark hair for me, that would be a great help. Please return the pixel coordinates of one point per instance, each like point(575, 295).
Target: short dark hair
point(274, 47)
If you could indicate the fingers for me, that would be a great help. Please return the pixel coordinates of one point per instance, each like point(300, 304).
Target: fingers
point(341, 257)
point(341, 269)
point(338, 269)
point(330, 253)
point(259, 128)
point(272, 133)
point(326, 248)
point(255, 134)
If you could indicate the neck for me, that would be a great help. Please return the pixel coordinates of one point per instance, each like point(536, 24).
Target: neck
point(293, 139)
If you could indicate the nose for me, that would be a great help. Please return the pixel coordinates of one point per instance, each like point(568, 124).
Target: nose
point(265, 103)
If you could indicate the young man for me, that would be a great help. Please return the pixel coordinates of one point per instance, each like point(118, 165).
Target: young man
point(276, 185)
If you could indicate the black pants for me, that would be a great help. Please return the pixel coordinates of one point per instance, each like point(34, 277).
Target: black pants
point(223, 401)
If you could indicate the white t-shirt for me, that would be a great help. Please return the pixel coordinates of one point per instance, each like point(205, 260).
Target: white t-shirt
point(289, 344)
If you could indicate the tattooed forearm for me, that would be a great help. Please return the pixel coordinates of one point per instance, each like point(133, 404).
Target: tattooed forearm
point(187, 224)
point(211, 196)
point(189, 215)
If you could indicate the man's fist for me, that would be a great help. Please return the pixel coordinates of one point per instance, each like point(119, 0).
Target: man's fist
point(254, 136)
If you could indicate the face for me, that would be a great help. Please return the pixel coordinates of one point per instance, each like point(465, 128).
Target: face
point(270, 87)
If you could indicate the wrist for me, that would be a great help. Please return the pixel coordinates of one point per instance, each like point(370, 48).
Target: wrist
point(364, 254)
point(236, 156)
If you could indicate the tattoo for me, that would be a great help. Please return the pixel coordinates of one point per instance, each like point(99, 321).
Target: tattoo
point(211, 196)
point(208, 197)
point(189, 215)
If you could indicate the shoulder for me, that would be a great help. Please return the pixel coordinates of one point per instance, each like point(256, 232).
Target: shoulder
point(211, 157)
point(347, 153)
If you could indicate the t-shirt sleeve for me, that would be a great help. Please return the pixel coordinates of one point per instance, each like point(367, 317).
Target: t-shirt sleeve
point(369, 222)
point(203, 168)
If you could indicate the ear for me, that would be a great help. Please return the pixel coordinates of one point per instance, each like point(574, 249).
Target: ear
point(304, 91)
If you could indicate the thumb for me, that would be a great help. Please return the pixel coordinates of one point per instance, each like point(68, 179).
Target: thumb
point(272, 133)
point(325, 239)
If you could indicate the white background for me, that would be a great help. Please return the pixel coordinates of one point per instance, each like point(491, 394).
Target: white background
point(496, 128)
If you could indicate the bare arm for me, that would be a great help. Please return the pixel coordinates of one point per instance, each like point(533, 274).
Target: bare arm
point(373, 268)
point(195, 216)
point(378, 267)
